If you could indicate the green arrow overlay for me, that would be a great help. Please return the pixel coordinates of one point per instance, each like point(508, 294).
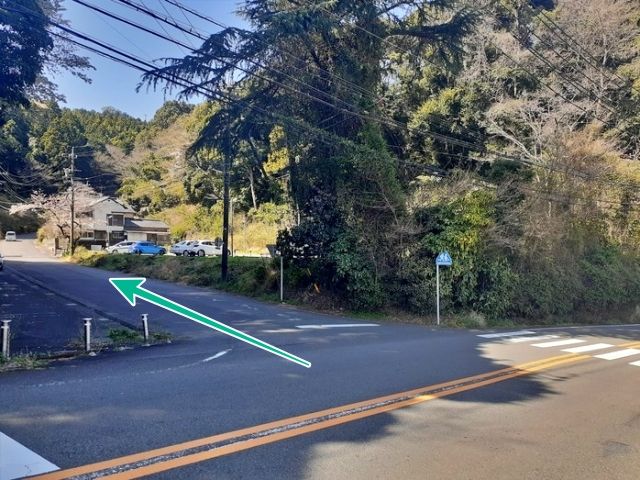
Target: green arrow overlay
point(130, 289)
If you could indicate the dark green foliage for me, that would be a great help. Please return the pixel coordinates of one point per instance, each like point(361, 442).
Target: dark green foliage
point(609, 278)
point(169, 113)
point(110, 127)
point(355, 278)
point(24, 45)
point(479, 279)
point(145, 190)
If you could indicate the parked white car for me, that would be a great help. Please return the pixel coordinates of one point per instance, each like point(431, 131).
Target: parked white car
point(203, 248)
point(120, 247)
point(10, 236)
point(182, 248)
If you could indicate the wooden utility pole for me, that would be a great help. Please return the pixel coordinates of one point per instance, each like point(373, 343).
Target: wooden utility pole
point(226, 166)
point(72, 173)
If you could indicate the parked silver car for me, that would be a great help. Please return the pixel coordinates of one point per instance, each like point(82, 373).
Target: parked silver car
point(120, 247)
point(10, 236)
point(182, 248)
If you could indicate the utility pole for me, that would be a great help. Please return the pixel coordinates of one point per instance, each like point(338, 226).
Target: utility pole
point(72, 172)
point(231, 227)
point(225, 207)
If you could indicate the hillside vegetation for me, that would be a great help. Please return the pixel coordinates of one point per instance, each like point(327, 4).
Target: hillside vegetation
point(370, 136)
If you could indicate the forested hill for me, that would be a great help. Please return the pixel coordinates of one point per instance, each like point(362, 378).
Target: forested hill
point(37, 142)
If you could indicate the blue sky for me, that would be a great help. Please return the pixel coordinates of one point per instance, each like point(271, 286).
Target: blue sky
point(115, 84)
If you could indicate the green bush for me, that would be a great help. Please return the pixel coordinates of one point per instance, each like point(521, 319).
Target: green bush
point(546, 287)
point(609, 278)
point(495, 286)
point(354, 276)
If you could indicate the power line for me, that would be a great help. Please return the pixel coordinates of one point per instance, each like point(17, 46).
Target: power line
point(579, 70)
point(561, 74)
point(172, 18)
point(217, 23)
point(230, 64)
point(175, 79)
point(389, 122)
point(547, 85)
point(578, 49)
point(191, 47)
point(353, 112)
point(435, 135)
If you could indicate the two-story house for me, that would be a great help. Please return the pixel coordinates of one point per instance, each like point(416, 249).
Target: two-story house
point(107, 221)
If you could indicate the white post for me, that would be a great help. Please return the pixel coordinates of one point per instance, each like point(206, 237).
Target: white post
point(87, 335)
point(281, 279)
point(145, 328)
point(438, 293)
point(5, 339)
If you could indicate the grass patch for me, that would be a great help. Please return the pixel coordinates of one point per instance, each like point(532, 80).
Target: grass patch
point(161, 337)
point(24, 361)
point(250, 276)
point(124, 336)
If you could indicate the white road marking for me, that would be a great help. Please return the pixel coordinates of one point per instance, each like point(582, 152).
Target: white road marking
point(282, 330)
point(533, 339)
point(588, 348)
point(635, 364)
point(559, 343)
point(337, 325)
point(17, 461)
point(627, 352)
point(591, 326)
point(217, 355)
point(506, 334)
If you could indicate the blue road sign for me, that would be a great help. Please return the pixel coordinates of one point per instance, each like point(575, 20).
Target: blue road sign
point(444, 259)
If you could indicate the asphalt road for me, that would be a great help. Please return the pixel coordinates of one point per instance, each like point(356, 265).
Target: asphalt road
point(556, 415)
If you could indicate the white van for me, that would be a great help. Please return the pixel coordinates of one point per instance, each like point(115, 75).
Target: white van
point(10, 236)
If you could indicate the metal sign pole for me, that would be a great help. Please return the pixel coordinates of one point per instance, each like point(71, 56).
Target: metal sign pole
point(438, 293)
point(281, 279)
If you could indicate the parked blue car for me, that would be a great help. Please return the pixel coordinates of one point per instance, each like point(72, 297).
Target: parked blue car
point(146, 248)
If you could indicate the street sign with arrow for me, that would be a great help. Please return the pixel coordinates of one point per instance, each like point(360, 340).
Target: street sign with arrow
point(131, 289)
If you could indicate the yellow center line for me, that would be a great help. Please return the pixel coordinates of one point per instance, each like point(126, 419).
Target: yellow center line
point(287, 428)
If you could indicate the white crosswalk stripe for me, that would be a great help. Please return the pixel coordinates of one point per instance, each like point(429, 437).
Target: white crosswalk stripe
point(558, 343)
point(506, 334)
point(588, 348)
point(529, 336)
point(532, 339)
point(627, 352)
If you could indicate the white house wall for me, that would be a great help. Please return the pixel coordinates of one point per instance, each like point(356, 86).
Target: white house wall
point(137, 236)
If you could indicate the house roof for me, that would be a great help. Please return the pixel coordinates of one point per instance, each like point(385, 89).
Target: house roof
point(125, 208)
point(145, 225)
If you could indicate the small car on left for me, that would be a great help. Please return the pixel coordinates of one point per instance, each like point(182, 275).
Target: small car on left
point(146, 248)
point(10, 236)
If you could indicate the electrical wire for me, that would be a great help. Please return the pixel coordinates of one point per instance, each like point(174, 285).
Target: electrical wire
point(437, 136)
